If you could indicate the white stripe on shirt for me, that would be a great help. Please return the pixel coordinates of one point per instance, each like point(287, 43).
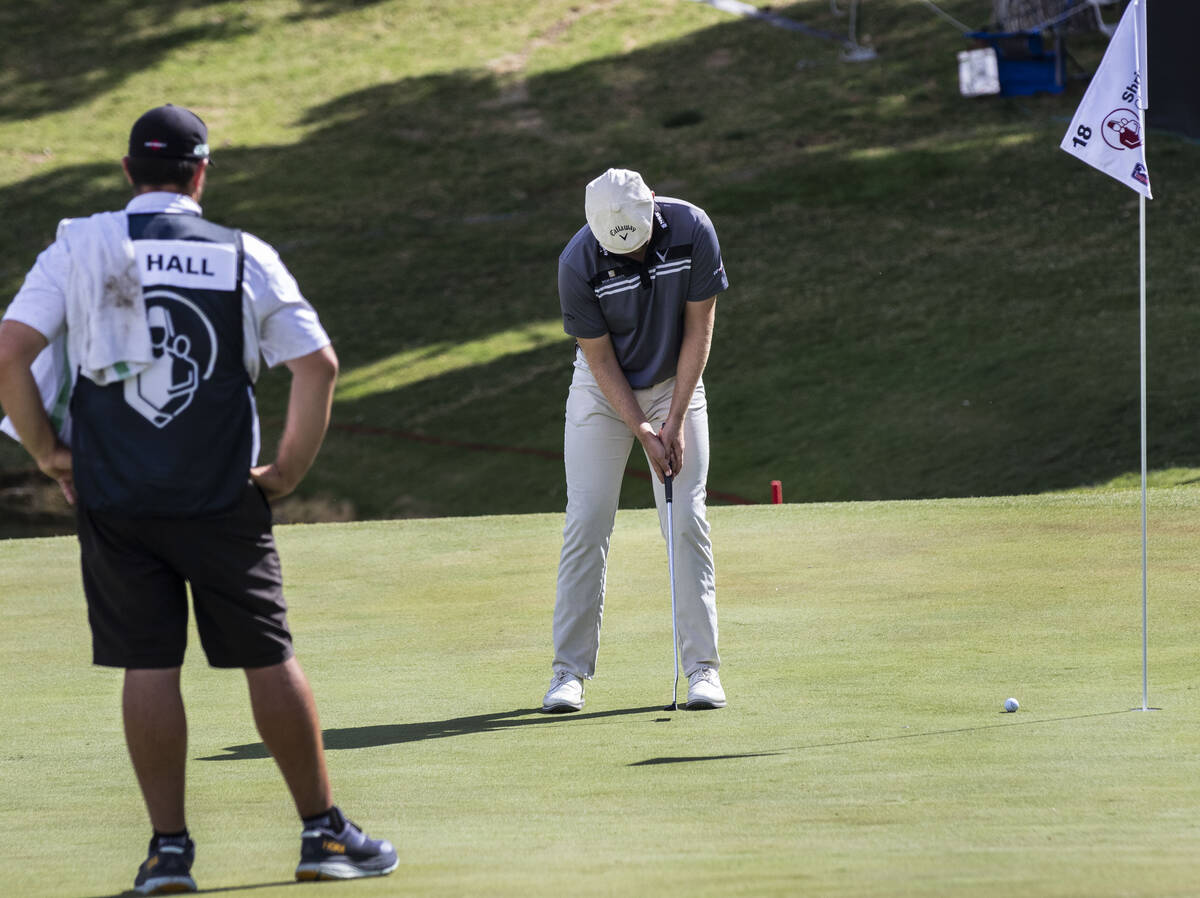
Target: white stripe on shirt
point(622, 285)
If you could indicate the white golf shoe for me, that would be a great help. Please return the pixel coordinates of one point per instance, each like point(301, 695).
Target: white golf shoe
point(704, 690)
point(565, 693)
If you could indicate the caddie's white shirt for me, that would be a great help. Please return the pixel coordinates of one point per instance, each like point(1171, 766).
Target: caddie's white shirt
point(287, 325)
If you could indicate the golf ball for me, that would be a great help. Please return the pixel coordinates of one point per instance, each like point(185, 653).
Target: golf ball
point(1011, 704)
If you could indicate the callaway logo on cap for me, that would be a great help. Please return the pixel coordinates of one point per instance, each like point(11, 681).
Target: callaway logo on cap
point(619, 208)
point(169, 132)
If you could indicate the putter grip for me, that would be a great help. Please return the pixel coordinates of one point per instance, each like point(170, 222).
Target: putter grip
point(667, 486)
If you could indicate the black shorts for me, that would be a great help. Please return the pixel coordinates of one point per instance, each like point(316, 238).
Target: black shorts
point(135, 577)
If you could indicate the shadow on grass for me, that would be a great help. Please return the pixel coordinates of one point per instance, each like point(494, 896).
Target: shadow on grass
point(93, 48)
point(128, 893)
point(78, 50)
point(399, 733)
point(651, 762)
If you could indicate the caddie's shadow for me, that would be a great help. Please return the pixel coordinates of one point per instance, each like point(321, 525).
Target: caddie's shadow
point(399, 733)
point(129, 893)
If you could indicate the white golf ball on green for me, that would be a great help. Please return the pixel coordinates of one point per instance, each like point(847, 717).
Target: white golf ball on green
point(1011, 704)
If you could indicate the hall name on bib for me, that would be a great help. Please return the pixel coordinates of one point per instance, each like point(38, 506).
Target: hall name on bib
point(184, 265)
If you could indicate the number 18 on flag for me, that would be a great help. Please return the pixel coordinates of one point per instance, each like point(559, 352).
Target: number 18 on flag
point(1107, 131)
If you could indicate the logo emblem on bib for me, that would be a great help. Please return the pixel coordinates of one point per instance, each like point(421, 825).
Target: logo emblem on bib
point(184, 344)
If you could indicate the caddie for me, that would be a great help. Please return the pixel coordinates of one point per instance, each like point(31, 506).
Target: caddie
point(162, 319)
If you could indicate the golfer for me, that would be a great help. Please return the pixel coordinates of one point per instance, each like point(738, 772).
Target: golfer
point(162, 317)
point(638, 286)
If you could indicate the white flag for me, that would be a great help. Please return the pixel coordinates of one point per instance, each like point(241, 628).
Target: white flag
point(1107, 130)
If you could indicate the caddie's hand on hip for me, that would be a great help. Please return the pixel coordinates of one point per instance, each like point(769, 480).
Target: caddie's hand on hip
point(57, 466)
point(271, 481)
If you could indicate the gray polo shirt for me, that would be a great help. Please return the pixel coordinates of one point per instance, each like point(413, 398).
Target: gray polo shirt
point(640, 305)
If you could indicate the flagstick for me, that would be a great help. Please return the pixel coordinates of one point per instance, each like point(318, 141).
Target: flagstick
point(1120, 77)
point(1141, 64)
point(1142, 317)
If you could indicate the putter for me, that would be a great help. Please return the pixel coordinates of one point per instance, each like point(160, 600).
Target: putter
point(674, 706)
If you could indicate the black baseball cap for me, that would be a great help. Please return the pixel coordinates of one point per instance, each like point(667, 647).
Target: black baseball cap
point(169, 132)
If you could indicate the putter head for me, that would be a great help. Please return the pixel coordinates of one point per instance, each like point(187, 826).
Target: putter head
point(674, 706)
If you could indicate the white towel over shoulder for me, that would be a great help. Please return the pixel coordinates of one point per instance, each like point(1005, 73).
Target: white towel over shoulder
point(108, 337)
point(107, 333)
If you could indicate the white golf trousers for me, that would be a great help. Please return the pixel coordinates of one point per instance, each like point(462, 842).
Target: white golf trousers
point(596, 447)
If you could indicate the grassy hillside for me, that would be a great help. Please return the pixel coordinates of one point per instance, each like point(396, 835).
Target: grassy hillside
point(929, 298)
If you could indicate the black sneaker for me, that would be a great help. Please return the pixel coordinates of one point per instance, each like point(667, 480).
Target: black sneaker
point(168, 868)
point(342, 851)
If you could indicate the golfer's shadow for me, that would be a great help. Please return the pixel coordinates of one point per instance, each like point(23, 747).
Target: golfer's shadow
point(399, 733)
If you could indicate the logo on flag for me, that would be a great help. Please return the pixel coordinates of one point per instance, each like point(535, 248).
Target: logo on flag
point(1108, 124)
point(1122, 130)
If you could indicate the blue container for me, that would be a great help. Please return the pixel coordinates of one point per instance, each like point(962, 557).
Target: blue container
point(1025, 65)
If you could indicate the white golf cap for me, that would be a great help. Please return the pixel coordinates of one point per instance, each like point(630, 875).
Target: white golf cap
point(619, 208)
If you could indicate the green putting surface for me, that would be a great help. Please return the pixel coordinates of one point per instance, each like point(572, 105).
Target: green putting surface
point(868, 649)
